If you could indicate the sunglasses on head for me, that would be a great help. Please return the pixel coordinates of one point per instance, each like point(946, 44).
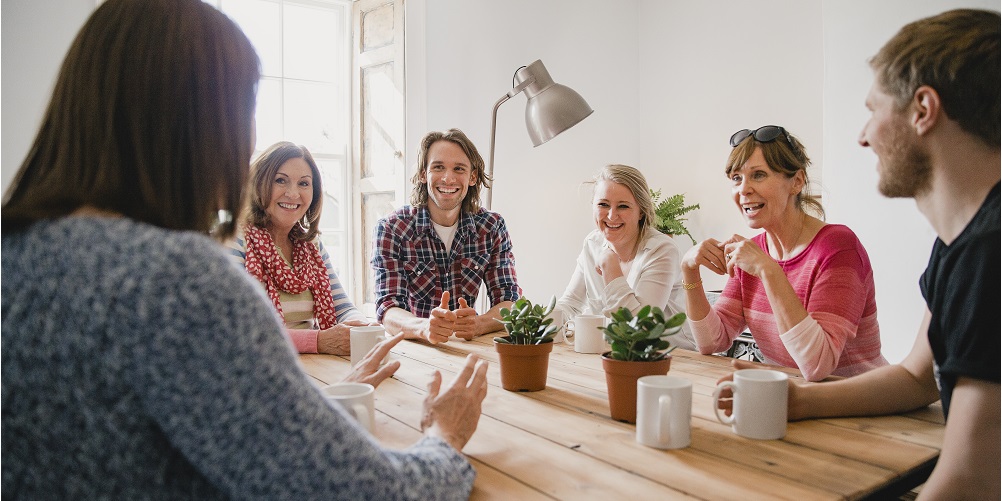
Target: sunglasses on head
point(764, 134)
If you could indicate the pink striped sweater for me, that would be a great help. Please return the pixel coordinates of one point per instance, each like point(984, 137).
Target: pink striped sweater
point(834, 281)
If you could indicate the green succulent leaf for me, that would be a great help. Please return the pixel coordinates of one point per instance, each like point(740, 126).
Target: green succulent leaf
point(656, 332)
point(644, 312)
point(676, 320)
point(641, 337)
point(527, 323)
point(618, 315)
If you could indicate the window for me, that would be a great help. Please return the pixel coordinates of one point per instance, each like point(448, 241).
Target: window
point(332, 80)
point(305, 96)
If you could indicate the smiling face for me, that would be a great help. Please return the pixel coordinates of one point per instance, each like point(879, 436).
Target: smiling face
point(904, 169)
point(763, 196)
point(291, 195)
point(617, 214)
point(448, 178)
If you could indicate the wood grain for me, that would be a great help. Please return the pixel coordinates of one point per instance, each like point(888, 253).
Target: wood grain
point(560, 443)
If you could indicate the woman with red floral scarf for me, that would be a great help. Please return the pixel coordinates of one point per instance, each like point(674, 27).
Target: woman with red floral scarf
point(279, 246)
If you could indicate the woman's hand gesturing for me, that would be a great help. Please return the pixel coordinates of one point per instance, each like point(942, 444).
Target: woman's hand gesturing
point(708, 253)
point(746, 255)
point(453, 414)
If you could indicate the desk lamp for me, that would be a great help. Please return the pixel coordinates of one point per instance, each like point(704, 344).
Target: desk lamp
point(550, 109)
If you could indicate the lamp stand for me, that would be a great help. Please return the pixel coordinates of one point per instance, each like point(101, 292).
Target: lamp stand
point(494, 126)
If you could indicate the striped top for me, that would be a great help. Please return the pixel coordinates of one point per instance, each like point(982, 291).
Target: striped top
point(834, 281)
point(298, 308)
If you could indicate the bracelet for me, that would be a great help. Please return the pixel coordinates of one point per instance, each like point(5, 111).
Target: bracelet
point(693, 285)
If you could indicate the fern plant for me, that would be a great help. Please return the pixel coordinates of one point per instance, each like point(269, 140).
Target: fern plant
point(668, 214)
point(639, 338)
point(527, 323)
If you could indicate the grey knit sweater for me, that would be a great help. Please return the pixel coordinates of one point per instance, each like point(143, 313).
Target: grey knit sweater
point(141, 363)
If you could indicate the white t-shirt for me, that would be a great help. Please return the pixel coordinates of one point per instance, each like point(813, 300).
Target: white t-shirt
point(446, 233)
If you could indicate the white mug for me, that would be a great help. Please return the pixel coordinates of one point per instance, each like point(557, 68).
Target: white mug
point(664, 412)
point(586, 332)
point(759, 402)
point(363, 339)
point(356, 398)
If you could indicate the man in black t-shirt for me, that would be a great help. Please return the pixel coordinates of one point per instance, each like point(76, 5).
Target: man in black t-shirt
point(961, 289)
point(935, 127)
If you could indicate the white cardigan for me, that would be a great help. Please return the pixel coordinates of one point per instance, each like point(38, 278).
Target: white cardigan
point(654, 279)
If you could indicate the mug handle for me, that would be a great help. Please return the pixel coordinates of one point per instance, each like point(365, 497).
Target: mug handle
point(569, 331)
point(716, 399)
point(664, 421)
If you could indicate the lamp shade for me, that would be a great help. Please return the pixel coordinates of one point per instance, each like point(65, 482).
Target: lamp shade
point(551, 108)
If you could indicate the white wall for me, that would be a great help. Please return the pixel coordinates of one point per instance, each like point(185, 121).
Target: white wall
point(706, 72)
point(36, 36)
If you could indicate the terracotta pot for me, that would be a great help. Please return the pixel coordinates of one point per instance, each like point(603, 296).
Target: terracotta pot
point(621, 380)
point(524, 366)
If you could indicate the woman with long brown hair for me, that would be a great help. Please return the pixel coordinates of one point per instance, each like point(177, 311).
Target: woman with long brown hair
point(138, 361)
point(279, 245)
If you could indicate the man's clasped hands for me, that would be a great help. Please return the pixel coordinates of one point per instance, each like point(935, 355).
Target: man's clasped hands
point(444, 322)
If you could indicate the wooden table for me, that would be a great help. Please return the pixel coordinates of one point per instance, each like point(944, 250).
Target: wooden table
point(560, 443)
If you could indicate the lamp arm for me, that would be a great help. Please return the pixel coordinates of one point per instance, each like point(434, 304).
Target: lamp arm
point(490, 163)
point(494, 122)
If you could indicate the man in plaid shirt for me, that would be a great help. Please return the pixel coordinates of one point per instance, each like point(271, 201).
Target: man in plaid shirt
point(431, 256)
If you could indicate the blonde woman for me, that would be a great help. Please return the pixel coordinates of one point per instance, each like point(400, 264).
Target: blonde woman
point(624, 261)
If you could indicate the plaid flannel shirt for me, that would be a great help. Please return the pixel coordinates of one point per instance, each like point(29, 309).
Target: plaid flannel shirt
point(413, 268)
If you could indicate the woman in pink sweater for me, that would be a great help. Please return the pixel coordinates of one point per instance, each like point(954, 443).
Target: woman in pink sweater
point(803, 288)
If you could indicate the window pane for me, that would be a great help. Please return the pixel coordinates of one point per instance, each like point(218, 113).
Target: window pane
point(260, 21)
point(303, 97)
point(315, 116)
point(374, 206)
point(334, 242)
point(311, 42)
point(335, 194)
point(377, 27)
point(269, 113)
point(381, 121)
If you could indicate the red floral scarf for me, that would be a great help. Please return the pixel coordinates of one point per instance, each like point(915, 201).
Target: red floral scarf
point(308, 272)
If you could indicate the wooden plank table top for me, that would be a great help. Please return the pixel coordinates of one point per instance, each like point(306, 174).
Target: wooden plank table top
point(560, 443)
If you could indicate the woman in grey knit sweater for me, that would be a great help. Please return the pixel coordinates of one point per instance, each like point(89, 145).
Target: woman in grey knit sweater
point(137, 361)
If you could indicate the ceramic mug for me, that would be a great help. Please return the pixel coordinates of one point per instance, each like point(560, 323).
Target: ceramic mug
point(585, 332)
point(363, 339)
point(356, 398)
point(758, 408)
point(664, 412)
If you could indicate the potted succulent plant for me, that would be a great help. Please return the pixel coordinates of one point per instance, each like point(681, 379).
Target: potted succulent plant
point(524, 353)
point(639, 348)
point(668, 214)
